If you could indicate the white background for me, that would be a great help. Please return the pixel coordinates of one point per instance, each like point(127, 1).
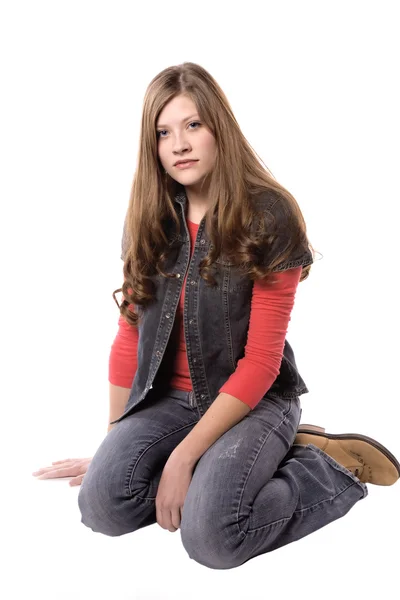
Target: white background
point(314, 88)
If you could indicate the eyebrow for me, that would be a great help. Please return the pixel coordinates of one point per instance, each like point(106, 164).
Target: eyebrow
point(183, 120)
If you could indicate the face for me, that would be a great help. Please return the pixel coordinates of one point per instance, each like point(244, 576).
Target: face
point(182, 136)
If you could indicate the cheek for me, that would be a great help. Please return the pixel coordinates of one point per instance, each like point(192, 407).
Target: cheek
point(161, 156)
point(210, 146)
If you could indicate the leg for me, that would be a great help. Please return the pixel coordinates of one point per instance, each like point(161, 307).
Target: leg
point(118, 492)
point(254, 490)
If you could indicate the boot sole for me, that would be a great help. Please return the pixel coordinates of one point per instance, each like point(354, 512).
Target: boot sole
point(316, 430)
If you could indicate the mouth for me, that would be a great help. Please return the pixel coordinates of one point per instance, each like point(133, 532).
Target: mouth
point(185, 163)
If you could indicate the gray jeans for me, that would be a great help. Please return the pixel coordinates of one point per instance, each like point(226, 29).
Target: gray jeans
point(252, 491)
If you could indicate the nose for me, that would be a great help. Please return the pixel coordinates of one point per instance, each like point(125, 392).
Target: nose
point(180, 145)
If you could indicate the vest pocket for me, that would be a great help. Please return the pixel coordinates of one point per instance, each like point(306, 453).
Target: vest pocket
point(192, 399)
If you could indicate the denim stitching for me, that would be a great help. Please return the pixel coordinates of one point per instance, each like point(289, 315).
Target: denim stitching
point(132, 467)
point(302, 510)
point(304, 262)
point(254, 461)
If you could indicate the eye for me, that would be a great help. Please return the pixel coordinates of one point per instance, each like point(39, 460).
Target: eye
point(158, 133)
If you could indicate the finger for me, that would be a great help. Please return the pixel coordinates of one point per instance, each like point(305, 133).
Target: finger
point(54, 473)
point(159, 517)
point(42, 470)
point(54, 468)
point(175, 518)
point(168, 520)
point(163, 517)
point(45, 470)
point(76, 480)
point(58, 462)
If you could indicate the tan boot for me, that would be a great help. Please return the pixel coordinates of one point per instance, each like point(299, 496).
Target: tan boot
point(366, 458)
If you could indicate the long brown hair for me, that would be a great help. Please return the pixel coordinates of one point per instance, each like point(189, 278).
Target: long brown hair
point(231, 218)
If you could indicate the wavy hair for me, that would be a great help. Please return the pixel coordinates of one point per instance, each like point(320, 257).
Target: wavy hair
point(234, 227)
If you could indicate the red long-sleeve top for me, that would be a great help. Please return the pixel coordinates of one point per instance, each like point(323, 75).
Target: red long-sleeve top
point(271, 308)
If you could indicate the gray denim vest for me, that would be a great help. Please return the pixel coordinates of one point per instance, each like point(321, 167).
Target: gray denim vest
point(216, 321)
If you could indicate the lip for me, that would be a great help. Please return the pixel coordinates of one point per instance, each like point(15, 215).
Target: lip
point(185, 165)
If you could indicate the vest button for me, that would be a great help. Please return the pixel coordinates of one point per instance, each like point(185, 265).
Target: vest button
point(202, 396)
point(202, 241)
point(178, 275)
point(191, 322)
point(192, 283)
point(167, 315)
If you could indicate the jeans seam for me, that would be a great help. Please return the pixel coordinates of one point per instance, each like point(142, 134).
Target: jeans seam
point(132, 466)
point(300, 511)
point(285, 415)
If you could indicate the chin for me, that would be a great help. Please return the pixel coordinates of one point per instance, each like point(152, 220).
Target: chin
point(188, 179)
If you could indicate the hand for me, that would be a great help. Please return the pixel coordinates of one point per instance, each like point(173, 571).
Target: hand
point(69, 467)
point(171, 493)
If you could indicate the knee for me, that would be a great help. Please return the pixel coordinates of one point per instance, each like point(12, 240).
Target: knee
point(209, 543)
point(99, 502)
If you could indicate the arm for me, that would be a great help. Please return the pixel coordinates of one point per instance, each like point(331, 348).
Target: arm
point(118, 399)
point(227, 410)
point(122, 369)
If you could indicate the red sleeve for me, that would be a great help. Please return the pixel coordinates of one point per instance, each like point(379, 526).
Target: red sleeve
point(122, 364)
point(271, 308)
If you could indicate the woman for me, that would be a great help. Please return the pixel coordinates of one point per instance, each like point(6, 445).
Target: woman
point(205, 392)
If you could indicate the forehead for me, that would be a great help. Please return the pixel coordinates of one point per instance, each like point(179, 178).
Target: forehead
point(177, 111)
